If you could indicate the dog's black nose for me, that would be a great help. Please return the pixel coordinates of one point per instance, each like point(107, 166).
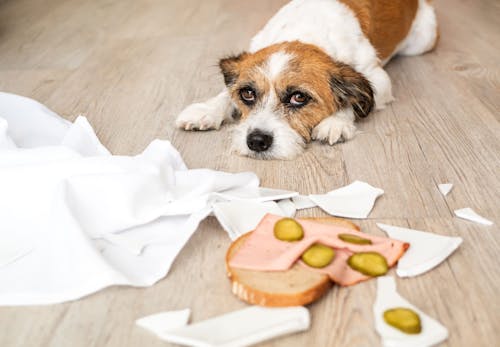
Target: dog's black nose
point(258, 141)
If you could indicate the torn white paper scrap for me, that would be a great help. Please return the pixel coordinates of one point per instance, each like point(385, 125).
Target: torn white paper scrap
point(353, 201)
point(387, 298)
point(241, 216)
point(427, 250)
point(241, 328)
point(288, 207)
point(256, 194)
point(445, 188)
point(469, 214)
point(160, 323)
point(302, 202)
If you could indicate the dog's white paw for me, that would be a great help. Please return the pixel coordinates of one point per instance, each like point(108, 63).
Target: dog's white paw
point(334, 129)
point(199, 116)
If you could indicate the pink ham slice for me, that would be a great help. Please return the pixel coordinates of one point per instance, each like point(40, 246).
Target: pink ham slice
point(264, 252)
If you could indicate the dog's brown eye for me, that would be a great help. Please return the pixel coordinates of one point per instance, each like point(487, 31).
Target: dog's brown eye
point(298, 99)
point(247, 95)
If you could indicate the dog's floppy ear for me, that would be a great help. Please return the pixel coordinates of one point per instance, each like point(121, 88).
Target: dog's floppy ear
point(352, 89)
point(229, 67)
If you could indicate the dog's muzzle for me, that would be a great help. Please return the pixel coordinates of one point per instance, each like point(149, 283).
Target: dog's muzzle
point(259, 141)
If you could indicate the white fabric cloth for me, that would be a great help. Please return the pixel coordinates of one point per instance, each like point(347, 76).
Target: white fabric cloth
point(82, 219)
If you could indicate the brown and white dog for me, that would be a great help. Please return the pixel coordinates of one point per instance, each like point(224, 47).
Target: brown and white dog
point(314, 68)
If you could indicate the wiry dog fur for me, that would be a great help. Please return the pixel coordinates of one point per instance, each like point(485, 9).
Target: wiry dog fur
point(314, 68)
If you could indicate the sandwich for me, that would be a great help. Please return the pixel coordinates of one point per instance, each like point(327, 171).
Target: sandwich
point(293, 262)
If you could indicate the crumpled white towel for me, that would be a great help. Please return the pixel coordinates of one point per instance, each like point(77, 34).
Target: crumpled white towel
point(76, 212)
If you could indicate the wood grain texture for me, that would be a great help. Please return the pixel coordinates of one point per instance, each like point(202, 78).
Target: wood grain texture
point(131, 66)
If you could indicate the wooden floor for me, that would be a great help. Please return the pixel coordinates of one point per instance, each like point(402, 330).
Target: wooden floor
point(130, 66)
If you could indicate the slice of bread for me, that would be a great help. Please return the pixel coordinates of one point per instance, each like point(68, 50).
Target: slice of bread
point(295, 287)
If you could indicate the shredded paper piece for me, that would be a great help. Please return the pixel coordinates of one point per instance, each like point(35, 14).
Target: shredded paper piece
point(387, 298)
point(471, 215)
point(427, 250)
point(241, 328)
point(353, 201)
point(288, 207)
point(445, 188)
point(302, 202)
point(164, 322)
point(239, 217)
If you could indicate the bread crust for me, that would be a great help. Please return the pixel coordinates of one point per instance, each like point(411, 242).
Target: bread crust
point(251, 294)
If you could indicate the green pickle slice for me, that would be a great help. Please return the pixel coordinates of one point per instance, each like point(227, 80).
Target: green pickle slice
point(354, 239)
point(403, 319)
point(368, 263)
point(288, 229)
point(318, 255)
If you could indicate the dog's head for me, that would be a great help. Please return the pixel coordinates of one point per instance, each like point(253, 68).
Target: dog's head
point(283, 91)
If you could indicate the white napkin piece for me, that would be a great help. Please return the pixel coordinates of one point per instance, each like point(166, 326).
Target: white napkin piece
point(241, 328)
point(163, 322)
point(241, 216)
point(470, 214)
point(302, 202)
point(445, 188)
point(355, 200)
point(387, 297)
point(427, 250)
point(256, 194)
point(80, 219)
point(288, 207)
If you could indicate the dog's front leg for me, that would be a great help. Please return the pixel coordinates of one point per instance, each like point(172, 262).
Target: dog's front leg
point(336, 128)
point(382, 87)
point(206, 115)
